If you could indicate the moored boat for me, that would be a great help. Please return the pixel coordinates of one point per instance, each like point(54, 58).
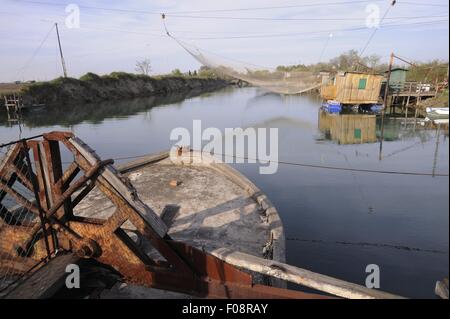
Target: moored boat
point(435, 113)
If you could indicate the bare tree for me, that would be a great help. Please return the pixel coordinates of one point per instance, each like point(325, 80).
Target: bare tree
point(373, 61)
point(144, 66)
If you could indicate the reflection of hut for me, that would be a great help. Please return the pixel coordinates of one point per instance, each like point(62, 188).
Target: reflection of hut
point(348, 128)
point(353, 88)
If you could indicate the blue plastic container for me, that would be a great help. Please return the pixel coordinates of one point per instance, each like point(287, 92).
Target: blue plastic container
point(376, 108)
point(332, 107)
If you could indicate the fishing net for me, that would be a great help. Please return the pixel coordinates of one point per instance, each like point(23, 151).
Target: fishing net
point(294, 82)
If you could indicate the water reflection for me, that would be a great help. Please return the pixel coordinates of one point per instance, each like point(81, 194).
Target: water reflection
point(93, 113)
point(348, 128)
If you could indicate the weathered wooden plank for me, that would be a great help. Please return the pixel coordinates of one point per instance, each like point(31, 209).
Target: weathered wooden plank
point(300, 276)
point(142, 161)
point(46, 281)
point(13, 265)
point(10, 157)
point(51, 162)
point(111, 176)
point(70, 174)
point(21, 176)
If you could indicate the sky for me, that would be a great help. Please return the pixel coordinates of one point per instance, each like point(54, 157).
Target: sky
point(112, 35)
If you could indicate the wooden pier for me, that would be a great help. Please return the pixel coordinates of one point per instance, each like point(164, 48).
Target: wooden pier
point(409, 95)
point(14, 106)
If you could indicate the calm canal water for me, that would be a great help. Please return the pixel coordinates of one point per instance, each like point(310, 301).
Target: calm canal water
point(336, 222)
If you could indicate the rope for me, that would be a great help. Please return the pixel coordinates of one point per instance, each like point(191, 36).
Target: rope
point(20, 140)
point(376, 29)
point(306, 5)
point(365, 244)
point(295, 34)
point(27, 64)
point(296, 19)
point(306, 165)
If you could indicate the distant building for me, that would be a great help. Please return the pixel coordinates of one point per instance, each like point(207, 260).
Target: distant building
point(325, 77)
point(398, 79)
point(353, 88)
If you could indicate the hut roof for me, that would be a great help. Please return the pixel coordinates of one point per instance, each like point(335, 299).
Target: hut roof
point(397, 69)
point(359, 72)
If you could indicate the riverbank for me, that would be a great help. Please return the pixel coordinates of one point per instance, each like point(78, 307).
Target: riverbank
point(92, 88)
point(97, 112)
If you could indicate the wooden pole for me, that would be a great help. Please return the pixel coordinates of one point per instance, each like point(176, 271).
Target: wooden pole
point(436, 150)
point(418, 100)
point(60, 51)
point(436, 87)
point(386, 93)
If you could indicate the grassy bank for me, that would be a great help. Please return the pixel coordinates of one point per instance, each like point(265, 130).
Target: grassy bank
point(439, 101)
point(115, 86)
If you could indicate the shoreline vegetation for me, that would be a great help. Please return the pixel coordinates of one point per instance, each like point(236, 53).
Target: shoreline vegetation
point(440, 100)
point(418, 71)
point(92, 88)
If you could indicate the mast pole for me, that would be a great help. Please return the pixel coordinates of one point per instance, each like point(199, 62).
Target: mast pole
point(60, 51)
point(386, 93)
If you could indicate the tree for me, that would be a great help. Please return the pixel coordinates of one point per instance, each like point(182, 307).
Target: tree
point(373, 61)
point(144, 66)
point(346, 61)
point(176, 72)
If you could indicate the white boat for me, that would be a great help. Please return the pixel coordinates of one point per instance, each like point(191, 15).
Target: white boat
point(435, 113)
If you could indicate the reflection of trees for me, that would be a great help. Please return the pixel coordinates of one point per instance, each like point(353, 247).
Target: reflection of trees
point(94, 113)
point(394, 130)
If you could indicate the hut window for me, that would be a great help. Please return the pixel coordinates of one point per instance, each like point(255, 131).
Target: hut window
point(362, 84)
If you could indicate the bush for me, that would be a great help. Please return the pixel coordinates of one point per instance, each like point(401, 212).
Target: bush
point(90, 77)
point(120, 75)
point(176, 72)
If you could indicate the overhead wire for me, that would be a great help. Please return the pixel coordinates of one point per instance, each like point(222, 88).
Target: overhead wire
point(306, 165)
point(425, 4)
point(177, 14)
point(35, 52)
point(275, 35)
point(297, 19)
point(372, 35)
point(304, 5)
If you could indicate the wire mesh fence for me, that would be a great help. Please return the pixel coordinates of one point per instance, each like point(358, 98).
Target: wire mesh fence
point(18, 203)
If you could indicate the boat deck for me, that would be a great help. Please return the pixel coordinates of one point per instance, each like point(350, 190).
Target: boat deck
point(208, 209)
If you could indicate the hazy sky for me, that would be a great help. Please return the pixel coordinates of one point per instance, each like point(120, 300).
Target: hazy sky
point(114, 34)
